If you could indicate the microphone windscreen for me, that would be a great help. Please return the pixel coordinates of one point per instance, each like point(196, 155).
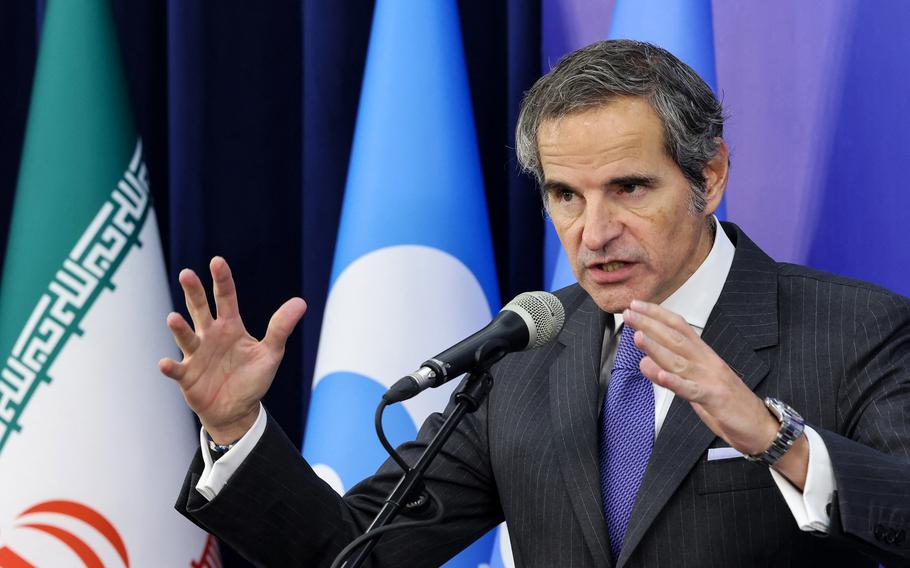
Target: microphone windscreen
point(542, 312)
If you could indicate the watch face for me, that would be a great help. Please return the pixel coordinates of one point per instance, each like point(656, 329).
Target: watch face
point(781, 409)
point(774, 406)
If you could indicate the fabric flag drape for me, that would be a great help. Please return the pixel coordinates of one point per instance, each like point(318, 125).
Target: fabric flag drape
point(682, 27)
point(413, 271)
point(93, 440)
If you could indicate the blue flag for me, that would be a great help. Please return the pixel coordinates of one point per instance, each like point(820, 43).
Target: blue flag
point(682, 27)
point(413, 271)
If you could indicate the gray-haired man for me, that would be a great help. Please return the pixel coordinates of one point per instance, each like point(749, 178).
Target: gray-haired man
point(686, 350)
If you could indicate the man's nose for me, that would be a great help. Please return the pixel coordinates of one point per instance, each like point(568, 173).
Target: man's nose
point(602, 225)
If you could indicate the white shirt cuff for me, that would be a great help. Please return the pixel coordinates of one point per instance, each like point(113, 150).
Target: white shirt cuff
point(216, 474)
point(809, 507)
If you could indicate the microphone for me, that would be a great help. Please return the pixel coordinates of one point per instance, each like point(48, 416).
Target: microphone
point(530, 320)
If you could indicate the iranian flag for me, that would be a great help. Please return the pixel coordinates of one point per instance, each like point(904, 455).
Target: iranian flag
point(93, 441)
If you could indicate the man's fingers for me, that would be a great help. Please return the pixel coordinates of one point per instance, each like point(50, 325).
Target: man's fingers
point(672, 338)
point(225, 291)
point(667, 359)
point(196, 302)
point(662, 315)
point(171, 368)
point(283, 323)
point(186, 338)
point(688, 390)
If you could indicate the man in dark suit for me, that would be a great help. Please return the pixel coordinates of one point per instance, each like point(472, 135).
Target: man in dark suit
point(686, 350)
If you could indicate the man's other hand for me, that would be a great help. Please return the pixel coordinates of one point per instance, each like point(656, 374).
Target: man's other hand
point(678, 359)
point(225, 371)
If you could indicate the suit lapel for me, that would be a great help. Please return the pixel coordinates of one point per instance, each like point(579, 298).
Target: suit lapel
point(573, 389)
point(743, 321)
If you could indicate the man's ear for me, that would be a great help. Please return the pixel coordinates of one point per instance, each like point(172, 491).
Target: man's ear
point(715, 174)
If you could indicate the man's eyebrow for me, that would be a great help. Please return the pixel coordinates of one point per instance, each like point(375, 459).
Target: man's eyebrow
point(643, 180)
point(553, 186)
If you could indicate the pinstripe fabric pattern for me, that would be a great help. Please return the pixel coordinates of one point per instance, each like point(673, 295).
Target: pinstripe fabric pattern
point(835, 349)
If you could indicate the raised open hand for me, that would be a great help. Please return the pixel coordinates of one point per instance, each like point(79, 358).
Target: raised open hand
point(679, 360)
point(225, 371)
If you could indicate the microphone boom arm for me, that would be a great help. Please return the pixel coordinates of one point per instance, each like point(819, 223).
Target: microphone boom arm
point(467, 399)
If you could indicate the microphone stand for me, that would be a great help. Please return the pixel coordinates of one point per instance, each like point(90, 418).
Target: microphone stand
point(467, 399)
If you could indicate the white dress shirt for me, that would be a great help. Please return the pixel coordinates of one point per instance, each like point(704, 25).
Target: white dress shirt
point(694, 301)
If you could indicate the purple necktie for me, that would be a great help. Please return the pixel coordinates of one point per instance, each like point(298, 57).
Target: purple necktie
point(626, 437)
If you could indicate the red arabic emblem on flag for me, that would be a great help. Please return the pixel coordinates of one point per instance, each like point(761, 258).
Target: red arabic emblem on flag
point(26, 520)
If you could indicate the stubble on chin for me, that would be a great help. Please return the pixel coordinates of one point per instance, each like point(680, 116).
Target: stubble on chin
point(610, 301)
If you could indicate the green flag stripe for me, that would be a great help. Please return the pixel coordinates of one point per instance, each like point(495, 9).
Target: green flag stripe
point(79, 138)
point(82, 276)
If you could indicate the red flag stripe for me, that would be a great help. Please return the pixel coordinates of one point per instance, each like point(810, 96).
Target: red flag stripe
point(86, 554)
point(87, 515)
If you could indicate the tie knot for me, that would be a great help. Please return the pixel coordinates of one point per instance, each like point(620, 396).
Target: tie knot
point(628, 356)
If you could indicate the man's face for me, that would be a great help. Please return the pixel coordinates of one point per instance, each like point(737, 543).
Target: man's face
point(621, 205)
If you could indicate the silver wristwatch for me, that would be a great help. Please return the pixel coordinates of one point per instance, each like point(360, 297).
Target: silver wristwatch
point(791, 428)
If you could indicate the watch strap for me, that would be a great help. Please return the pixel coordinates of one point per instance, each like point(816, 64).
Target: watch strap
point(791, 428)
point(218, 450)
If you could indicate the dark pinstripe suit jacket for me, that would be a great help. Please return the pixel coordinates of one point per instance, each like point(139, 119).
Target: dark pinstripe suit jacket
point(836, 349)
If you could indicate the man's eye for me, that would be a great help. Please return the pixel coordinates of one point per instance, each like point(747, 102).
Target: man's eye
point(629, 188)
point(566, 196)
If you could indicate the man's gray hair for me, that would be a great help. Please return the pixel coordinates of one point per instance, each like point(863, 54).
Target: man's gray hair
point(599, 73)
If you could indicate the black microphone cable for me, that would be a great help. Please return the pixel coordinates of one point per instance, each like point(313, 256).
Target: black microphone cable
point(380, 433)
point(362, 539)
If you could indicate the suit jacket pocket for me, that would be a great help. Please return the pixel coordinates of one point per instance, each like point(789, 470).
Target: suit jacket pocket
point(734, 474)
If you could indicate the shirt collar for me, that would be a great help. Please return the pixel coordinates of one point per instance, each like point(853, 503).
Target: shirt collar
point(695, 299)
